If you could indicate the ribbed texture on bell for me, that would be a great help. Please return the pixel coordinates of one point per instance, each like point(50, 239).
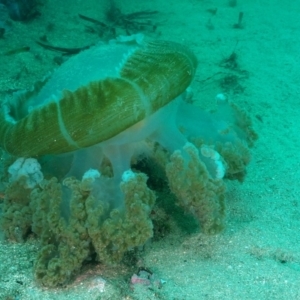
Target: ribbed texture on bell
point(151, 77)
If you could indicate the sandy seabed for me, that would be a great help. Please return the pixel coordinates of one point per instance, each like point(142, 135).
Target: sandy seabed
point(258, 254)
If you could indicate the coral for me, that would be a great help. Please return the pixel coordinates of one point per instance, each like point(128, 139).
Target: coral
point(196, 191)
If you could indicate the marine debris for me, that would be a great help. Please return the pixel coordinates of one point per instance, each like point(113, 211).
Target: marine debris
point(129, 23)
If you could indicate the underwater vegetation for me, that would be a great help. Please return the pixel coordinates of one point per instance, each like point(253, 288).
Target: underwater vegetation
point(70, 145)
